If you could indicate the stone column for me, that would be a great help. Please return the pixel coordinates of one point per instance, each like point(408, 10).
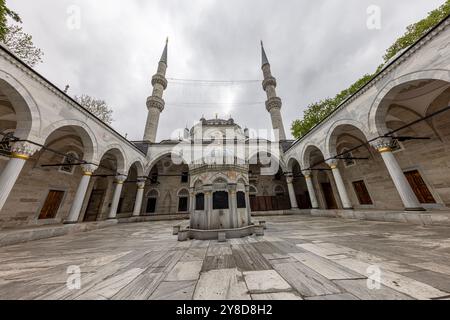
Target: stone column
point(208, 203)
point(191, 200)
point(292, 196)
point(77, 204)
point(247, 202)
point(116, 198)
point(139, 197)
point(342, 190)
point(310, 186)
point(402, 185)
point(20, 153)
point(232, 187)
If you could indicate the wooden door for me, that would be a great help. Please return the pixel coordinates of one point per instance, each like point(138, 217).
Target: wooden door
point(262, 203)
point(419, 187)
point(52, 204)
point(362, 193)
point(329, 196)
point(94, 205)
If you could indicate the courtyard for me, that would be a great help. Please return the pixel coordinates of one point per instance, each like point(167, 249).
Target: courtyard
point(299, 258)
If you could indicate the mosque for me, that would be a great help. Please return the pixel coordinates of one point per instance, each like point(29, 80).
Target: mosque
point(382, 154)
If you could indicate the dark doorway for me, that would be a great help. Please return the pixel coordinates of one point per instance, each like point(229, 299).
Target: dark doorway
point(183, 204)
point(151, 205)
point(329, 196)
point(303, 201)
point(419, 187)
point(95, 202)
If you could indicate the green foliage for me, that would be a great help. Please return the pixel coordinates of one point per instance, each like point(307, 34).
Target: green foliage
point(15, 39)
point(97, 107)
point(318, 111)
point(21, 44)
point(5, 12)
point(417, 30)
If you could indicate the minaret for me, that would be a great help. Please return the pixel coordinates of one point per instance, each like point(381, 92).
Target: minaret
point(273, 103)
point(155, 102)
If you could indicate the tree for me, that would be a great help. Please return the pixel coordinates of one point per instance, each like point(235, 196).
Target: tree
point(21, 44)
point(15, 39)
point(98, 107)
point(318, 111)
point(5, 12)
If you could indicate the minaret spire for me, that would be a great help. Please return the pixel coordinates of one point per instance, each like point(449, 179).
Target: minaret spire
point(156, 103)
point(164, 54)
point(273, 103)
point(264, 55)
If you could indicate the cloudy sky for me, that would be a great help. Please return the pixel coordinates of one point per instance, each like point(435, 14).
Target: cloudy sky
point(316, 48)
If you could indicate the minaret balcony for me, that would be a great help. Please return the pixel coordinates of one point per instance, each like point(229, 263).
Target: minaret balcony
point(271, 81)
point(159, 79)
point(273, 103)
point(155, 102)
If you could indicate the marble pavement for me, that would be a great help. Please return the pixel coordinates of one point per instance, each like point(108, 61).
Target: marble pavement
point(299, 258)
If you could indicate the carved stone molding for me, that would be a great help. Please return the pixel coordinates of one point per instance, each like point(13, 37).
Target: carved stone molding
point(271, 81)
point(159, 79)
point(333, 163)
point(273, 103)
point(307, 174)
point(141, 183)
point(24, 150)
point(383, 144)
point(120, 179)
point(155, 102)
point(88, 169)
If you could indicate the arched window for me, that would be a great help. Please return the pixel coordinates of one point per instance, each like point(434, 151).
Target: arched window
point(348, 158)
point(200, 202)
point(241, 203)
point(184, 177)
point(183, 199)
point(220, 200)
point(67, 165)
point(253, 191)
point(396, 146)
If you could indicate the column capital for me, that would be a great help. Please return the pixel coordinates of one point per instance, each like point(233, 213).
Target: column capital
point(120, 179)
point(383, 144)
point(23, 150)
point(232, 188)
point(141, 183)
point(88, 169)
point(307, 174)
point(289, 178)
point(333, 163)
point(207, 189)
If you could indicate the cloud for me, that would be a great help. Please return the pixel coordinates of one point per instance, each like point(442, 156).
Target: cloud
point(316, 48)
